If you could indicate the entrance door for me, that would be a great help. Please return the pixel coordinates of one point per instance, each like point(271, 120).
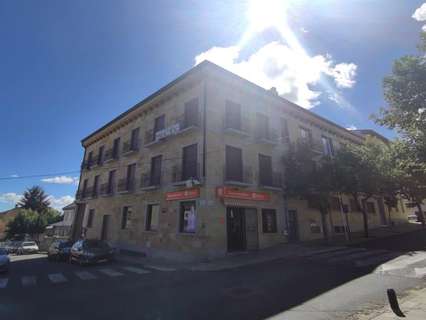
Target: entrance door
point(293, 228)
point(105, 226)
point(236, 229)
point(251, 229)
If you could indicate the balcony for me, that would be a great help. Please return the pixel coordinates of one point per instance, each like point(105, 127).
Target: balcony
point(269, 136)
point(94, 192)
point(87, 164)
point(240, 176)
point(239, 127)
point(126, 185)
point(151, 181)
point(179, 126)
point(272, 182)
point(129, 147)
point(107, 189)
point(110, 155)
point(182, 174)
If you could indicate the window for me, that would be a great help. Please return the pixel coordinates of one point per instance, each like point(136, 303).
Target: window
point(134, 139)
point(189, 162)
point(370, 207)
point(188, 217)
point(90, 218)
point(126, 217)
point(95, 186)
point(101, 155)
point(339, 229)
point(234, 164)
point(84, 190)
point(90, 159)
point(353, 205)
point(284, 129)
point(191, 113)
point(269, 221)
point(315, 228)
point(305, 134)
point(152, 217)
point(131, 170)
point(159, 124)
point(265, 170)
point(155, 176)
point(111, 181)
point(327, 144)
point(262, 126)
point(233, 115)
point(116, 148)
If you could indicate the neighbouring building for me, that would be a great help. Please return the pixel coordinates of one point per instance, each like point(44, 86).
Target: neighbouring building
point(5, 217)
point(62, 229)
point(196, 170)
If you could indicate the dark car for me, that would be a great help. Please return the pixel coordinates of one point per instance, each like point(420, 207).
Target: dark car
point(12, 246)
point(91, 251)
point(59, 250)
point(4, 260)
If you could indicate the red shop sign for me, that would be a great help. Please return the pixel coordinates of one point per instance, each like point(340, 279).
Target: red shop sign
point(183, 194)
point(231, 193)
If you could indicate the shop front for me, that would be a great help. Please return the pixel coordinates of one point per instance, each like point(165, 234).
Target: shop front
point(243, 210)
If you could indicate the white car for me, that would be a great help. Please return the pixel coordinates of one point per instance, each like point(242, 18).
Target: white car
point(27, 247)
point(4, 260)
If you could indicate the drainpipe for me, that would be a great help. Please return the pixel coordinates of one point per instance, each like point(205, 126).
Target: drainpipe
point(204, 129)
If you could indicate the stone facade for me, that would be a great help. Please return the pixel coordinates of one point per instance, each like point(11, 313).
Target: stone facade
point(140, 218)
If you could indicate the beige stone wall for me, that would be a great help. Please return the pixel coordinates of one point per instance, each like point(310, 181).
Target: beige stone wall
point(210, 238)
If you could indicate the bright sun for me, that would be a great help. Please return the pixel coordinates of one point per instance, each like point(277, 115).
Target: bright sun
point(267, 13)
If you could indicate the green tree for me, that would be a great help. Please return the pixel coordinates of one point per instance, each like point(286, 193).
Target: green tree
point(310, 177)
point(35, 199)
point(405, 94)
point(360, 173)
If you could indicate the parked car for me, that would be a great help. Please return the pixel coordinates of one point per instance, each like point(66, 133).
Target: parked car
point(91, 251)
point(12, 246)
point(27, 247)
point(59, 250)
point(4, 260)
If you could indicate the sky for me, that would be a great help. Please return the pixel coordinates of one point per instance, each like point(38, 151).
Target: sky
point(69, 67)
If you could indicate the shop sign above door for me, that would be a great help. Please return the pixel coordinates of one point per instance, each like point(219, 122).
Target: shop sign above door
point(183, 194)
point(232, 193)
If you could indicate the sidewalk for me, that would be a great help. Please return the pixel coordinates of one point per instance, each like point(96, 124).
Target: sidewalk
point(282, 251)
point(412, 304)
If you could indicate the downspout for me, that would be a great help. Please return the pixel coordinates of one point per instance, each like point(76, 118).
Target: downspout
point(204, 130)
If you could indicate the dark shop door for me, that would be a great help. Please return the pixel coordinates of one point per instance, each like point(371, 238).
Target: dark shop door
point(236, 229)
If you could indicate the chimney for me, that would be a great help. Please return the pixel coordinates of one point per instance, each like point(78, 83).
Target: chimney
point(273, 91)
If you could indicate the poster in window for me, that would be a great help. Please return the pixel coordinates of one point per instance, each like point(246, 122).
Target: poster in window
point(189, 219)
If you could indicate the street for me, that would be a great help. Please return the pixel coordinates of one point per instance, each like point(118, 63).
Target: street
point(331, 283)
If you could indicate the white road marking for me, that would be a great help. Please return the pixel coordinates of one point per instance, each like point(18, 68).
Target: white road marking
point(110, 272)
point(357, 255)
point(403, 261)
point(57, 277)
point(136, 270)
point(28, 281)
point(85, 275)
point(159, 268)
point(420, 272)
point(3, 282)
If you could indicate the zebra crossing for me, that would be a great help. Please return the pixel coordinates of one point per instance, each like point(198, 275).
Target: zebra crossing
point(29, 281)
point(358, 257)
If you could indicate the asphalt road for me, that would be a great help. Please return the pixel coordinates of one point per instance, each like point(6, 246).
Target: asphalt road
point(305, 288)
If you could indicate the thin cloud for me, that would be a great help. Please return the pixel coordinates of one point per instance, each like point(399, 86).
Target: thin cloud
point(59, 202)
point(61, 180)
point(10, 198)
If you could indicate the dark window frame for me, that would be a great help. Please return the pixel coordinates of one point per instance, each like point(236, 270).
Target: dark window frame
point(90, 218)
point(149, 211)
point(126, 217)
point(273, 228)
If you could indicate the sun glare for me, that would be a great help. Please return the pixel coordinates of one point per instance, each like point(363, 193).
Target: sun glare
point(267, 13)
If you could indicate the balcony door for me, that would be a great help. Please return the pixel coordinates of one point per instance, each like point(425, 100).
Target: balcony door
point(265, 170)
point(189, 163)
point(191, 113)
point(159, 124)
point(155, 176)
point(233, 115)
point(131, 170)
point(234, 164)
point(262, 125)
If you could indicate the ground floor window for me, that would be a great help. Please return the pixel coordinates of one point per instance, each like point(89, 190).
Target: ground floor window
point(126, 217)
point(188, 217)
point(152, 217)
point(269, 220)
point(90, 218)
point(370, 207)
